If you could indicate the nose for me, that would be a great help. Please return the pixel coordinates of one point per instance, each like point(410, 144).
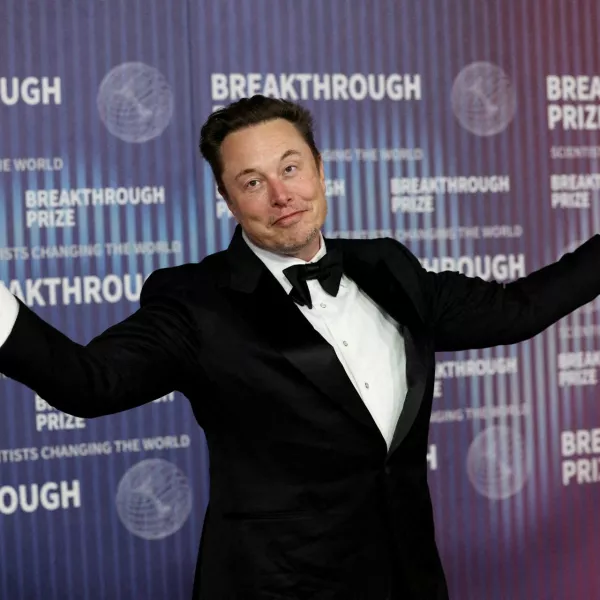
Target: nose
point(278, 192)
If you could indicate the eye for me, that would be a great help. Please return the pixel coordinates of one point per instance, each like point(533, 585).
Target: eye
point(252, 184)
point(290, 169)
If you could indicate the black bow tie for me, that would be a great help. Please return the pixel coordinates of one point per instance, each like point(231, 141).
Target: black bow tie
point(328, 270)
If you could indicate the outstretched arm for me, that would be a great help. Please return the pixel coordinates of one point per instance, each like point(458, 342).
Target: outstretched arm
point(469, 313)
point(131, 363)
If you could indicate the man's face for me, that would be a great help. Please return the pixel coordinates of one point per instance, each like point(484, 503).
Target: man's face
point(274, 187)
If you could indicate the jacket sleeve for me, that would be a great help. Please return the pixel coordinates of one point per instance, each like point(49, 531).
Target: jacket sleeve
point(133, 362)
point(470, 313)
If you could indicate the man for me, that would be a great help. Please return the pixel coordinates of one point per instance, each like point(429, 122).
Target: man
point(310, 365)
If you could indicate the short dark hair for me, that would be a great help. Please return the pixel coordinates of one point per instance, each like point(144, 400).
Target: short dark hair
point(245, 113)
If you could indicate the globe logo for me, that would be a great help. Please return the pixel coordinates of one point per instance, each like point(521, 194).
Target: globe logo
point(135, 102)
point(483, 99)
point(154, 499)
point(497, 464)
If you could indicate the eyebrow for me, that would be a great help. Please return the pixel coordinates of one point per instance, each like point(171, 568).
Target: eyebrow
point(283, 157)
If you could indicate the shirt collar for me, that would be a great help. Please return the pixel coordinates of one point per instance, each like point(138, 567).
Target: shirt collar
point(276, 263)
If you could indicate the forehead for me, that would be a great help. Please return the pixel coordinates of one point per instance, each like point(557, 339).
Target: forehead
point(263, 142)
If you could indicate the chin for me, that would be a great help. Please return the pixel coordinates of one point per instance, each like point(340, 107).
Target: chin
point(299, 240)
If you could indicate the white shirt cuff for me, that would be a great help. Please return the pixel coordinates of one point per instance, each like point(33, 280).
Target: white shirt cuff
point(9, 309)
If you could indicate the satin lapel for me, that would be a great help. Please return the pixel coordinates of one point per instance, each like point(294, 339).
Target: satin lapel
point(373, 275)
point(416, 375)
point(277, 320)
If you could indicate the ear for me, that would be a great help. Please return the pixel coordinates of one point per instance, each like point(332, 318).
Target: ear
point(223, 193)
point(321, 173)
point(225, 196)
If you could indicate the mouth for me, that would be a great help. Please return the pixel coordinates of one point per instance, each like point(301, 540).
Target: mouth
point(289, 219)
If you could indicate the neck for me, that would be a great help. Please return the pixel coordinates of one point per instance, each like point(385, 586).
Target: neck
point(306, 253)
point(309, 251)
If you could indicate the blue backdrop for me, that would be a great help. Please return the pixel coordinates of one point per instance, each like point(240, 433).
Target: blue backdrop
point(467, 130)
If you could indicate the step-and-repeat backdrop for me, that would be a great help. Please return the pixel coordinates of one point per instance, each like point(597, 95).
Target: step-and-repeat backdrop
point(466, 130)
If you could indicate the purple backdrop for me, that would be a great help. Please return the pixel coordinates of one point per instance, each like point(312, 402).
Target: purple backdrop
point(467, 130)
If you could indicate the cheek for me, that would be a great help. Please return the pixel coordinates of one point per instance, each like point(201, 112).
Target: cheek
point(246, 206)
point(251, 209)
point(308, 189)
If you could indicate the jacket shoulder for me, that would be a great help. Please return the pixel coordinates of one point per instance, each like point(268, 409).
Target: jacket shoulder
point(182, 278)
point(384, 247)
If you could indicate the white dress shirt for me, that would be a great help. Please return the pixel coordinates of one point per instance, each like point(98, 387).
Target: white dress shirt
point(365, 338)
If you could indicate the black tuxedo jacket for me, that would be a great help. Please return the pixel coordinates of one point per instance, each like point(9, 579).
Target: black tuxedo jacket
point(306, 500)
